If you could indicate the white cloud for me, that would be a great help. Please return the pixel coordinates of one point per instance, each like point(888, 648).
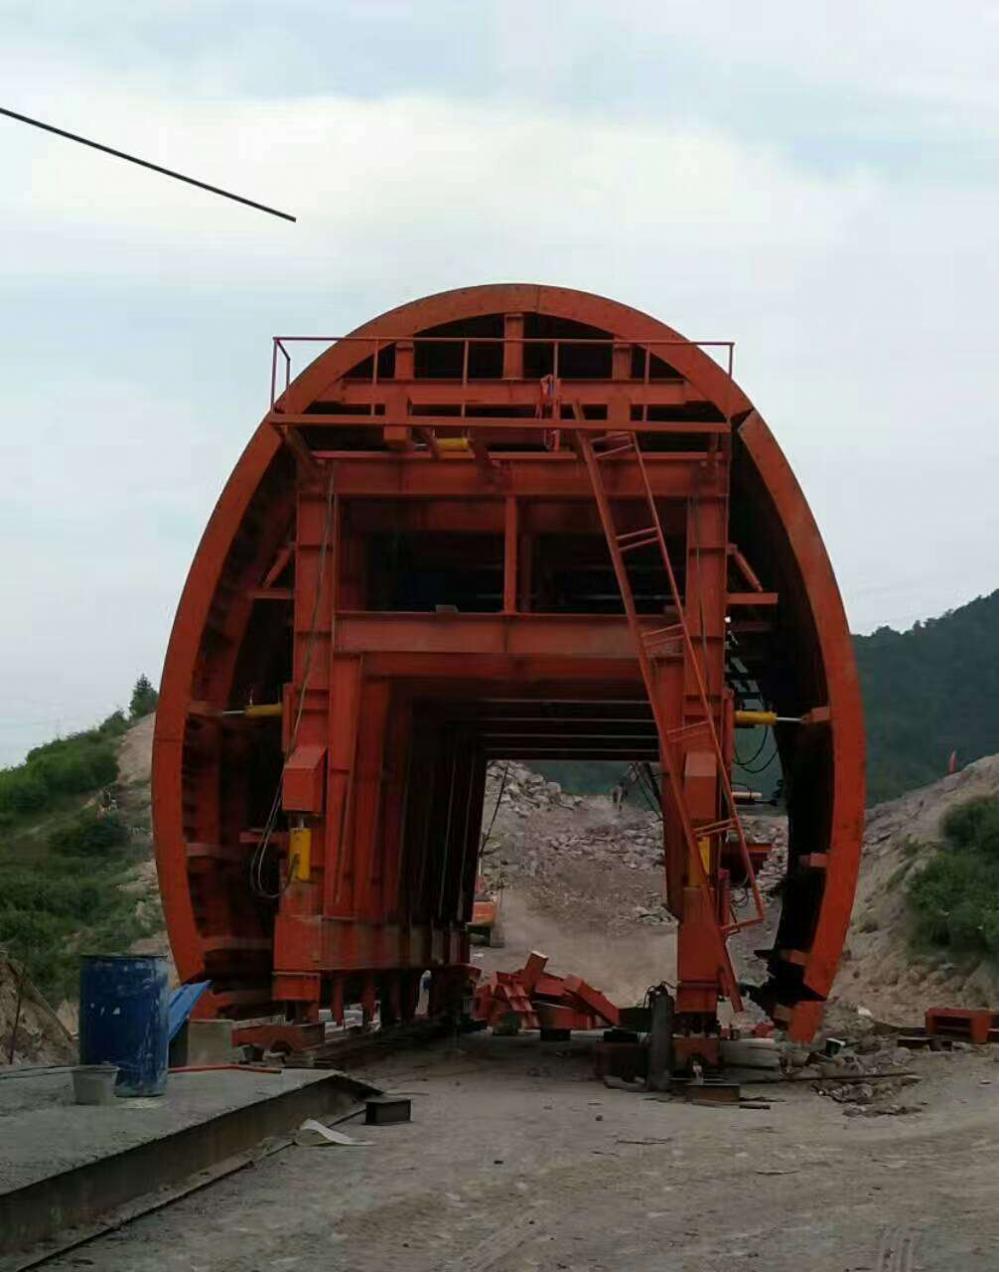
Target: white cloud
point(368, 178)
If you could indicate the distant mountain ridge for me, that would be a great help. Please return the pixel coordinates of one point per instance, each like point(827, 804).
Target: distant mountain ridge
point(927, 692)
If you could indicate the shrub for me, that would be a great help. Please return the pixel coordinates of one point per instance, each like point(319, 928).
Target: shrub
point(89, 834)
point(114, 726)
point(78, 769)
point(973, 827)
point(22, 790)
point(953, 899)
point(76, 765)
point(63, 895)
point(59, 907)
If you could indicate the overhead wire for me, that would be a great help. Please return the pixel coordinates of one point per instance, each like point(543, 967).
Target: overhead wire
point(145, 163)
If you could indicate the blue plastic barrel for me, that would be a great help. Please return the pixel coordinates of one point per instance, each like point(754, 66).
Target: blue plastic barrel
point(123, 1018)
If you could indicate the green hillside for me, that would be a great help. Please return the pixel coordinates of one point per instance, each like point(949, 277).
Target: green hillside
point(927, 692)
point(71, 839)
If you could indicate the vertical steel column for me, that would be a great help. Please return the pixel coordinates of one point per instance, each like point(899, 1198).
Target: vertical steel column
point(364, 847)
point(343, 717)
point(510, 563)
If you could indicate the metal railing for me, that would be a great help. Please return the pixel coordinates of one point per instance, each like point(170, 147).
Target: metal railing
point(281, 358)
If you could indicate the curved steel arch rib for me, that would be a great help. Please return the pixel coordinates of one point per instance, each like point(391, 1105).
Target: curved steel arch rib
point(205, 787)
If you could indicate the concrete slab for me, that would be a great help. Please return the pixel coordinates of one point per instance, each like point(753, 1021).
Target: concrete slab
point(63, 1164)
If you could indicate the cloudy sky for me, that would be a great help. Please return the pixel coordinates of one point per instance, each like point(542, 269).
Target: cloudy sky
point(815, 181)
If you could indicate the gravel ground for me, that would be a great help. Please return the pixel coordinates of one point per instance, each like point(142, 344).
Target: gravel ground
point(517, 1159)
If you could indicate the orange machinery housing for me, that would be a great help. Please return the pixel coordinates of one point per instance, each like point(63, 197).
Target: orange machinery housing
point(514, 522)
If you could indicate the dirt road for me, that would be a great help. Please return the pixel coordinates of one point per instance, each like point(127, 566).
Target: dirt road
point(623, 964)
point(517, 1159)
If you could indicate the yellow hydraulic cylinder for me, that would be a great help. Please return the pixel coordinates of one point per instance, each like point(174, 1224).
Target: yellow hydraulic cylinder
point(750, 718)
point(262, 709)
point(300, 851)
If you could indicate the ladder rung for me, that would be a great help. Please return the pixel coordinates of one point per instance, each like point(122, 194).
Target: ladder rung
point(615, 450)
point(634, 534)
point(661, 638)
point(716, 827)
point(671, 630)
point(686, 730)
point(639, 543)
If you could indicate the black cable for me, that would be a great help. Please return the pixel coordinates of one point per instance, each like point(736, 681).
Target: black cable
point(760, 768)
point(496, 808)
point(144, 163)
point(647, 797)
point(650, 790)
point(756, 755)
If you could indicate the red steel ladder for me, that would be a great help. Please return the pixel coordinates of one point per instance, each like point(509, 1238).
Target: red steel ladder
point(652, 643)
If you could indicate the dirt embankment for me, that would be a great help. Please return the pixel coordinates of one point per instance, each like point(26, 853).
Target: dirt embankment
point(879, 969)
point(30, 1031)
point(135, 759)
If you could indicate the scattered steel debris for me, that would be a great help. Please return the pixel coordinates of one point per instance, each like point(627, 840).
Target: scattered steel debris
point(384, 1110)
point(532, 998)
point(965, 1024)
point(313, 1134)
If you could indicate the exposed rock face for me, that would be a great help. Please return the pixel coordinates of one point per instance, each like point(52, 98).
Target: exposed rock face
point(577, 856)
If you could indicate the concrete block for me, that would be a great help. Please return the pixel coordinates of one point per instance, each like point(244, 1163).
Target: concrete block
point(211, 1042)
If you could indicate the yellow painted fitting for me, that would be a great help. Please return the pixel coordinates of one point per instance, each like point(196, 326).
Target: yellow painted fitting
point(749, 718)
point(453, 444)
point(300, 851)
point(705, 849)
point(262, 709)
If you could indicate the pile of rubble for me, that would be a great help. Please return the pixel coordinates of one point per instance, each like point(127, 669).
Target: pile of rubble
point(772, 830)
point(634, 848)
point(522, 792)
point(578, 857)
point(864, 1069)
point(559, 844)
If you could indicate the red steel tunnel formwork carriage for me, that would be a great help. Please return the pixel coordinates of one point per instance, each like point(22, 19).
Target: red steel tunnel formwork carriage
point(512, 522)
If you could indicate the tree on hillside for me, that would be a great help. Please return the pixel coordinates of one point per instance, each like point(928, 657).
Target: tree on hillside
point(144, 699)
point(927, 692)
